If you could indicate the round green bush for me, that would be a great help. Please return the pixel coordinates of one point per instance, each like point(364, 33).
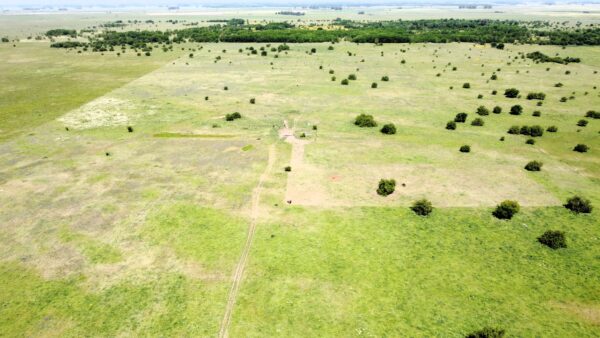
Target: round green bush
point(352, 77)
point(511, 93)
point(582, 123)
point(581, 148)
point(506, 210)
point(374, 85)
point(451, 125)
point(497, 110)
point(385, 78)
point(388, 129)
point(288, 168)
point(466, 85)
point(478, 122)
point(552, 129)
point(483, 111)
point(344, 82)
point(364, 120)
point(465, 149)
point(534, 166)
point(514, 130)
point(516, 110)
point(460, 117)
point(579, 205)
point(422, 207)
point(553, 239)
point(537, 113)
point(530, 141)
point(386, 187)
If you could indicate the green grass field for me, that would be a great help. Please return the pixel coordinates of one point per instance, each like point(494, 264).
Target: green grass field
point(105, 232)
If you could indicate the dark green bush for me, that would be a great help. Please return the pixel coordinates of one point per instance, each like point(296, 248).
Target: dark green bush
point(553, 239)
point(511, 93)
point(497, 110)
point(388, 129)
point(364, 120)
point(451, 125)
point(465, 149)
point(422, 207)
point(581, 148)
point(466, 85)
point(506, 209)
point(233, 116)
point(593, 114)
point(514, 130)
point(552, 129)
point(288, 168)
point(344, 82)
point(487, 332)
point(530, 141)
point(494, 77)
point(483, 111)
point(582, 123)
point(536, 131)
point(352, 77)
point(516, 110)
point(534, 166)
point(385, 78)
point(579, 205)
point(252, 101)
point(536, 96)
point(130, 129)
point(460, 117)
point(478, 122)
point(537, 113)
point(386, 187)
point(374, 85)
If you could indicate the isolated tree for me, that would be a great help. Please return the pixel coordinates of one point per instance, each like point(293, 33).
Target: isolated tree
point(506, 210)
point(252, 101)
point(553, 239)
point(130, 129)
point(593, 114)
point(581, 148)
point(386, 187)
point(422, 207)
point(364, 120)
point(478, 122)
point(511, 93)
point(287, 168)
point(497, 110)
point(579, 205)
point(537, 113)
point(516, 110)
point(536, 131)
point(388, 129)
point(533, 166)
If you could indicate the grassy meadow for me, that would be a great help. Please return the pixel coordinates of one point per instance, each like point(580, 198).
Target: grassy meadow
point(106, 232)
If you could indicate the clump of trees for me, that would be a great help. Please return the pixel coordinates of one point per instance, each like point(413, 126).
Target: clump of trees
point(581, 148)
point(506, 210)
point(553, 239)
point(364, 120)
point(579, 205)
point(541, 57)
point(386, 187)
point(61, 32)
point(233, 116)
point(533, 166)
point(460, 117)
point(511, 93)
point(388, 129)
point(533, 131)
point(422, 207)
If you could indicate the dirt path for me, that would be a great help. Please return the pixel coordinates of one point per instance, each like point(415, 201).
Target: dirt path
point(239, 270)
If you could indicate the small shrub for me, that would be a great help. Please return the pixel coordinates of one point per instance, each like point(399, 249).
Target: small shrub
point(536, 96)
point(466, 85)
point(552, 129)
point(130, 129)
point(483, 111)
point(386, 187)
point(582, 123)
point(252, 101)
point(422, 207)
point(288, 168)
point(364, 120)
point(579, 205)
point(465, 149)
point(460, 117)
point(487, 332)
point(233, 116)
point(533, 166)
point(494, 77)
point(478, 122)
point(344, 82)
point(374, 85)
point(497, 110)
point(385, 78)
point(352, 77)
point(511, 93)
point(530, 141)
point(388, 129)
point(506, 209)
point(333, 78)
point(581, 148)
point(206, 98)
point(537, 113)
point(516, 110)
point(225, 88)
point(514, 130)
point(451, 125)
point(536, 131)
point(553, 239)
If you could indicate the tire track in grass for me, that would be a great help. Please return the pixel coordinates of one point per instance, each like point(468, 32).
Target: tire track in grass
point(241, 265)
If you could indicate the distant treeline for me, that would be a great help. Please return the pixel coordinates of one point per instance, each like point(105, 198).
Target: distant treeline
point(290, 13)
point(436, 31)
point(541, 57)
